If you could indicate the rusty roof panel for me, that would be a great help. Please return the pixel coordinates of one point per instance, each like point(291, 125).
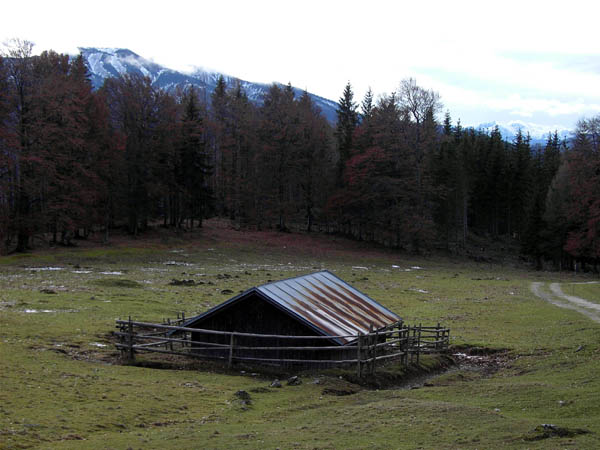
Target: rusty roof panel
point(329, 304)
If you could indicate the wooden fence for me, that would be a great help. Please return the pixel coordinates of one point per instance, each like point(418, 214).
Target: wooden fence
point(397, 341)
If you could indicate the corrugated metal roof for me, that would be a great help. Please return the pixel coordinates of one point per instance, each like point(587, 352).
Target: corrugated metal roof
point(323, 301)
point(329, 304)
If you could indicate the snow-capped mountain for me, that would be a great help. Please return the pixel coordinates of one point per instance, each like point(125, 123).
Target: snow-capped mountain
point(112, 62)
point(538, 133)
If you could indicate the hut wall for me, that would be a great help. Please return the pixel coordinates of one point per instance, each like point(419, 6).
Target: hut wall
point(254, 315)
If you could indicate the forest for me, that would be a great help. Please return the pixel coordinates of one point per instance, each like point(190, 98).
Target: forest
point(75, 161)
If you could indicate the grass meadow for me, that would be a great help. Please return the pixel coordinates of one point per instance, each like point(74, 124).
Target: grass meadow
point(62, 385)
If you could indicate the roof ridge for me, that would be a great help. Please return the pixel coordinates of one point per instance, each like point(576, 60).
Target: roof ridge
point(299, 276)
point(333, 307)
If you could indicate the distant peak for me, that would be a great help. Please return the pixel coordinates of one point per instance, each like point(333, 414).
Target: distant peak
point(537, 132)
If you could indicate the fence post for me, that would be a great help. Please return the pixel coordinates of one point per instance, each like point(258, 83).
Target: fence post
point(376, 337)
point(231, 343)
point(399, 340)
point(183, 344)
point(358, 356)
point(419, 345)
point(401, 343)
point(404, 344)
point(122, 340)
point(412, 342)
point(438, 344)
point(131, 355)
point(167, 333)
point(370, 350)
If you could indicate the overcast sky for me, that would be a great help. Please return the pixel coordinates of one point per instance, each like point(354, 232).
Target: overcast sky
point(534, 61)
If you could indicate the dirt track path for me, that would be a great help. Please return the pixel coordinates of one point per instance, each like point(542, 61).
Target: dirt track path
point(559, 298)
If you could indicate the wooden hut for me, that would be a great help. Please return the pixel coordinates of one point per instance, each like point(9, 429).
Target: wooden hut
point(319, 304)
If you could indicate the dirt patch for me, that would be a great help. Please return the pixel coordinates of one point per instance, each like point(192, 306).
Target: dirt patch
point(546, 430)
point(175, 282)
point(338, 392)
point(463, 365)
point(120, 283)
point(483, 360)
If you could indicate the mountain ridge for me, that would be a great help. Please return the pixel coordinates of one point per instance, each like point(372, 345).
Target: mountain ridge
point(113, 62)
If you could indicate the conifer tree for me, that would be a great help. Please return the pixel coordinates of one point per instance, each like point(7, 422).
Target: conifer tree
point(278, 134)
point(145, 117)
point(556, 221)
point(310, 159)
point(193, 166)
point(243, 143)
point(218, 138)
point(367, 106)
point(347, 120)
point(363, 135)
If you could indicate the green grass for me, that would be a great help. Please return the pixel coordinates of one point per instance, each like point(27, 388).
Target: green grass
point(61, 388)
point(589, 291)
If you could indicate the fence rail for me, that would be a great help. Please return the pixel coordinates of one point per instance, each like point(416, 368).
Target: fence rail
point(396, 341)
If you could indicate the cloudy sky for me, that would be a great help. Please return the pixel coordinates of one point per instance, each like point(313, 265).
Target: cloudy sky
point(533, 61)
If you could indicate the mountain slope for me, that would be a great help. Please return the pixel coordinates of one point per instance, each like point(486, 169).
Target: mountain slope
point(111, 62)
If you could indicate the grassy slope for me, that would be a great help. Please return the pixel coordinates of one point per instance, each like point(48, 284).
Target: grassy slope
point(57, 386)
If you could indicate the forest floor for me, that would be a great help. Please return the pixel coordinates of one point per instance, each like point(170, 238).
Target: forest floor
point(525, 373)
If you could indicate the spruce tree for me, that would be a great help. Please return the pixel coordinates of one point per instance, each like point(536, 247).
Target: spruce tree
point(193, 165)
point(218, 142)
point(367, 106)
point(519, 194)
point(347, 120)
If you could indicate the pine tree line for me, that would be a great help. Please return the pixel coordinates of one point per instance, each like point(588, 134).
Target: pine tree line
point(73, 160)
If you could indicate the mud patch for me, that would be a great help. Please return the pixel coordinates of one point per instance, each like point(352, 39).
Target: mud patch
point(464, 365)
point(482, 359)
point(338, 392)
point(547, 430)
point(175, 282)
point(120, 283)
